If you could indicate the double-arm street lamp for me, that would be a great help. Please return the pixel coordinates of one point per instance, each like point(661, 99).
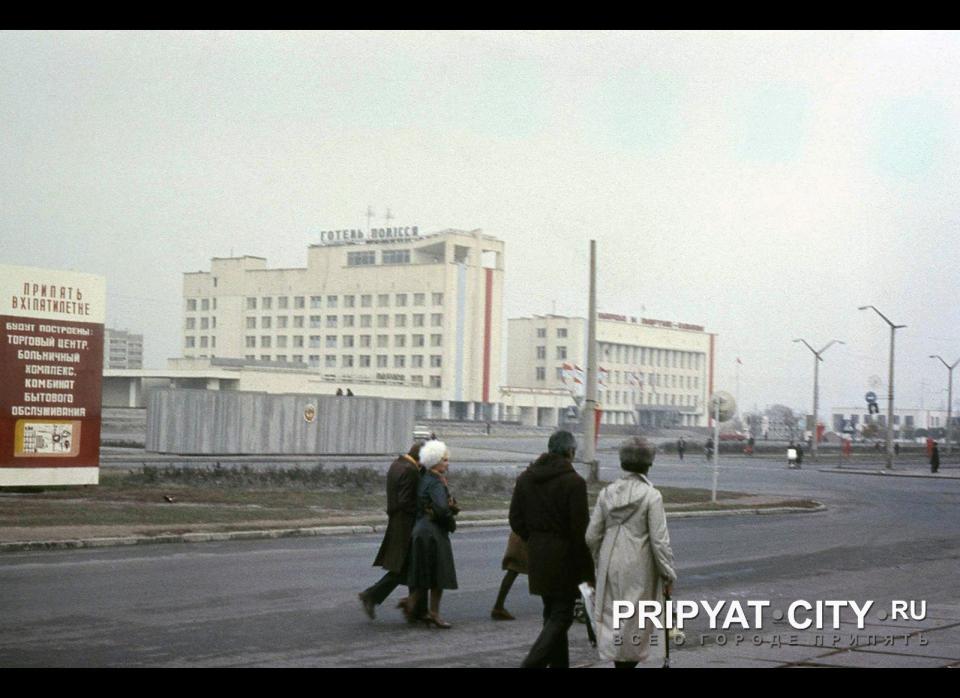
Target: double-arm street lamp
point(893, 329)
point(949, 395)
point(816, 386)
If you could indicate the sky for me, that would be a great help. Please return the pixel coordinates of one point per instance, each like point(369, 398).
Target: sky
point(761, 184)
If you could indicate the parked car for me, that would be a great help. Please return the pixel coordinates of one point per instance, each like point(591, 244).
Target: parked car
point(422, 433)
point(733, 436)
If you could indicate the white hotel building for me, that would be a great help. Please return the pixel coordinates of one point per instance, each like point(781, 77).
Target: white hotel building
point(654, 372)
point(386, 312)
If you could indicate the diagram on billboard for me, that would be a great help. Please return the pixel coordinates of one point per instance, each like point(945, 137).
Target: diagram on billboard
point(47, 438)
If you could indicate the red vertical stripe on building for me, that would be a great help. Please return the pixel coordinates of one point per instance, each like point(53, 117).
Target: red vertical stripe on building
point(710, 394)
point(487, 322)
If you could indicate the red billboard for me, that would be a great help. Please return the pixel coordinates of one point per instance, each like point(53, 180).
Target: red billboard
point(51, 368)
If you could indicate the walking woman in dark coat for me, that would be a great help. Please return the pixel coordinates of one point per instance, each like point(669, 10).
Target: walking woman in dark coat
point(402, 479)
point(934, 458)
point(431, 555)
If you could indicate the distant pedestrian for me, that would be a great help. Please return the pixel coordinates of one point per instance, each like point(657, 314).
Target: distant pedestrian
point(708, 448)
point(750, 443)
point(681, 447)
point(515, 562)
point(934, 458)
point(630, 543)
point(349, 392)
point(340, 392)
point(549, 512)
point(791, 455)
point(896, 449)
point(799, 455)
point(402, 480)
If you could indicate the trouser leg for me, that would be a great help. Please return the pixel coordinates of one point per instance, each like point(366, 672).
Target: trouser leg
point(383, 588)
point(508, 580)
point(551, 648)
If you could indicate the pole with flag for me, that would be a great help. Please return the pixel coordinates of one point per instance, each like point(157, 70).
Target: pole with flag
point(739, 364)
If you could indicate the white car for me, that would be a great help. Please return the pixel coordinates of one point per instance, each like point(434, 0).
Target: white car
point(422, 433)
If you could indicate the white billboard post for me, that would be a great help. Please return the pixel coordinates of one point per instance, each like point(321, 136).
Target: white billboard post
point(51, 371)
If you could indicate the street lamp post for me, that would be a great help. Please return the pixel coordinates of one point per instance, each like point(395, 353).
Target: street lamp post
point(893, 329)
point(817, 358)
point(949, 394)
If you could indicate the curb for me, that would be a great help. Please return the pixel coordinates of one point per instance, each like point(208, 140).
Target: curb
point(736, 512)
point(888, 473)
point(274, 533)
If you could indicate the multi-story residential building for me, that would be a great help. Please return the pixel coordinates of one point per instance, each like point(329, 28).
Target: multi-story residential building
point(122, 349)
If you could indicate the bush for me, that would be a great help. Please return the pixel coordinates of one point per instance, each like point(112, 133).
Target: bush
point(341, 479)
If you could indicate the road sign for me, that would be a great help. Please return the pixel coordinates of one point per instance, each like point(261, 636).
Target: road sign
point(871, 396)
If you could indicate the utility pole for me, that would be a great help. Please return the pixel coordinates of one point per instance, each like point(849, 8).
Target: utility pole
point(893, 329)
point(737, 394)
point(589, 413)
point(716, 445)
point(950, 368)
point(817, 358)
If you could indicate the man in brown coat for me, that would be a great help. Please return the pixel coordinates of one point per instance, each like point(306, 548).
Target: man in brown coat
point(402, 479)
point(549, 512)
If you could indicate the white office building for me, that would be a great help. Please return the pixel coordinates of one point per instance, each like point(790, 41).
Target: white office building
point(906, 421)
point(652, 372)
point(385, 312)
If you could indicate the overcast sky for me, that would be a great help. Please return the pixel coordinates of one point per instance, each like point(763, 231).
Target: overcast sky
point(761, 184)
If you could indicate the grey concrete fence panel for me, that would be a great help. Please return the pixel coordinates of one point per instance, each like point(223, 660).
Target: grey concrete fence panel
point(188, 421)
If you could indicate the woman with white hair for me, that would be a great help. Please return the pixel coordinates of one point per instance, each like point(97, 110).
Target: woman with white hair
point(431, 556)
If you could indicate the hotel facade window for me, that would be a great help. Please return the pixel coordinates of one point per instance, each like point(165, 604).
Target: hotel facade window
point(359, 259)
point(396, 256)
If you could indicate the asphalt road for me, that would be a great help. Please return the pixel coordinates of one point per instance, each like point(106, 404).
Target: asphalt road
point(292, 602)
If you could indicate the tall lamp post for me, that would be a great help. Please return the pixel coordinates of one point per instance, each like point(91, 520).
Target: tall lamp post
point(949, 395)
point(817, 358)
point(590, 403)
point(893, 329)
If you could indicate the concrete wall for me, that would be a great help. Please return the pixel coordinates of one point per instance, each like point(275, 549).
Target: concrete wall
point(234, 422)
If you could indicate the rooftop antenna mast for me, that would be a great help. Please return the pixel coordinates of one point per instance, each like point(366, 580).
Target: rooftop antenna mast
point(369, 216)
point(388, 217)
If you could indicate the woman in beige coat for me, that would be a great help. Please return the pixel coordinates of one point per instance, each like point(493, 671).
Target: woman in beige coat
point(630, 544)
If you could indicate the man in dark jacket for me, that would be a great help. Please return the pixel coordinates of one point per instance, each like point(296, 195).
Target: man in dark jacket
point(549, 512)
point(934, 458)
point(402, 479)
